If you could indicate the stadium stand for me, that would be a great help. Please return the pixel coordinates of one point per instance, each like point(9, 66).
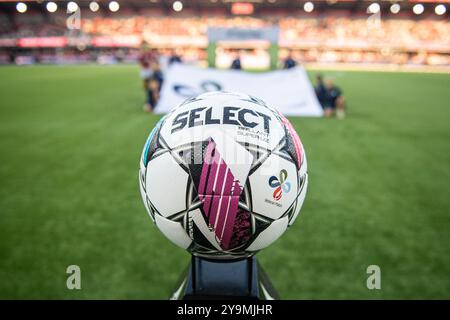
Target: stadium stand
point(330, 36)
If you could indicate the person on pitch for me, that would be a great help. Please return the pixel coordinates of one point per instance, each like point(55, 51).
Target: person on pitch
point(289, 62)
point(336, 100)
point(236, 64)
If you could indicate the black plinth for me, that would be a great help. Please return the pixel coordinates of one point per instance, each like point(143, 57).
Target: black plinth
point(218, 279)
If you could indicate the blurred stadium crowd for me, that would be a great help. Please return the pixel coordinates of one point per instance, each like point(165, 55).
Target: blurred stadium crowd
point(331, 36)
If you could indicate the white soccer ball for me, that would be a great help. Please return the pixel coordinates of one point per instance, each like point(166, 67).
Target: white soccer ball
point(223, 175)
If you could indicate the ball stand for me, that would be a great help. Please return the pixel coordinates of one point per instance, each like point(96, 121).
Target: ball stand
point(217, 279)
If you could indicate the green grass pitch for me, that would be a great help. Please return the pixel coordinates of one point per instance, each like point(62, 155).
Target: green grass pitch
point(70, 142)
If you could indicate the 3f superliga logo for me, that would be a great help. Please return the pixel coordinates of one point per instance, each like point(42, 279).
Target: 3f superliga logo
point(280, 184)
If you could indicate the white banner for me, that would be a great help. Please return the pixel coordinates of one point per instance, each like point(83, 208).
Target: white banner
point(289, 91)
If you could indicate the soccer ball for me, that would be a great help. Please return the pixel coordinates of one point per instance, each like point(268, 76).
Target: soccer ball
point(223, 175)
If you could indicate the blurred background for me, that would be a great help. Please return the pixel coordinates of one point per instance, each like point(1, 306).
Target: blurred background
point(406, 33)
point(75, 76)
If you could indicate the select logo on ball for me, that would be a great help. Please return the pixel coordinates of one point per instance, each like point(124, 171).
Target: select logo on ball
point(280, 184)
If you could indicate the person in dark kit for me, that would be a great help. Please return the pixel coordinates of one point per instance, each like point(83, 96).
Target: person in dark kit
point(289, 62)
point(153, 87)
point(236, 64)
point(174, 58)
point(156, 72)
point(152, 94)
point(321, 91)
point(330, 97)
point(336, 99)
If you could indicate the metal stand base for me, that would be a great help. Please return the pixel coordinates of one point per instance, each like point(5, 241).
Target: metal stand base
point(216, 279)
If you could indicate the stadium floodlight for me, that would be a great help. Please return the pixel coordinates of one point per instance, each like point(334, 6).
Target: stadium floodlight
point(51, 6)
point(374, 8)
point(440, 9)
point(395, 8)
point(177, 6)
point(308, 6)
point(94, 6)
point(418, 9)
point(72, 6)
point(114, 6)
point(21, 7)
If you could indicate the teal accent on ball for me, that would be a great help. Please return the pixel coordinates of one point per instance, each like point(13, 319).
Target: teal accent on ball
point(150, 138)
